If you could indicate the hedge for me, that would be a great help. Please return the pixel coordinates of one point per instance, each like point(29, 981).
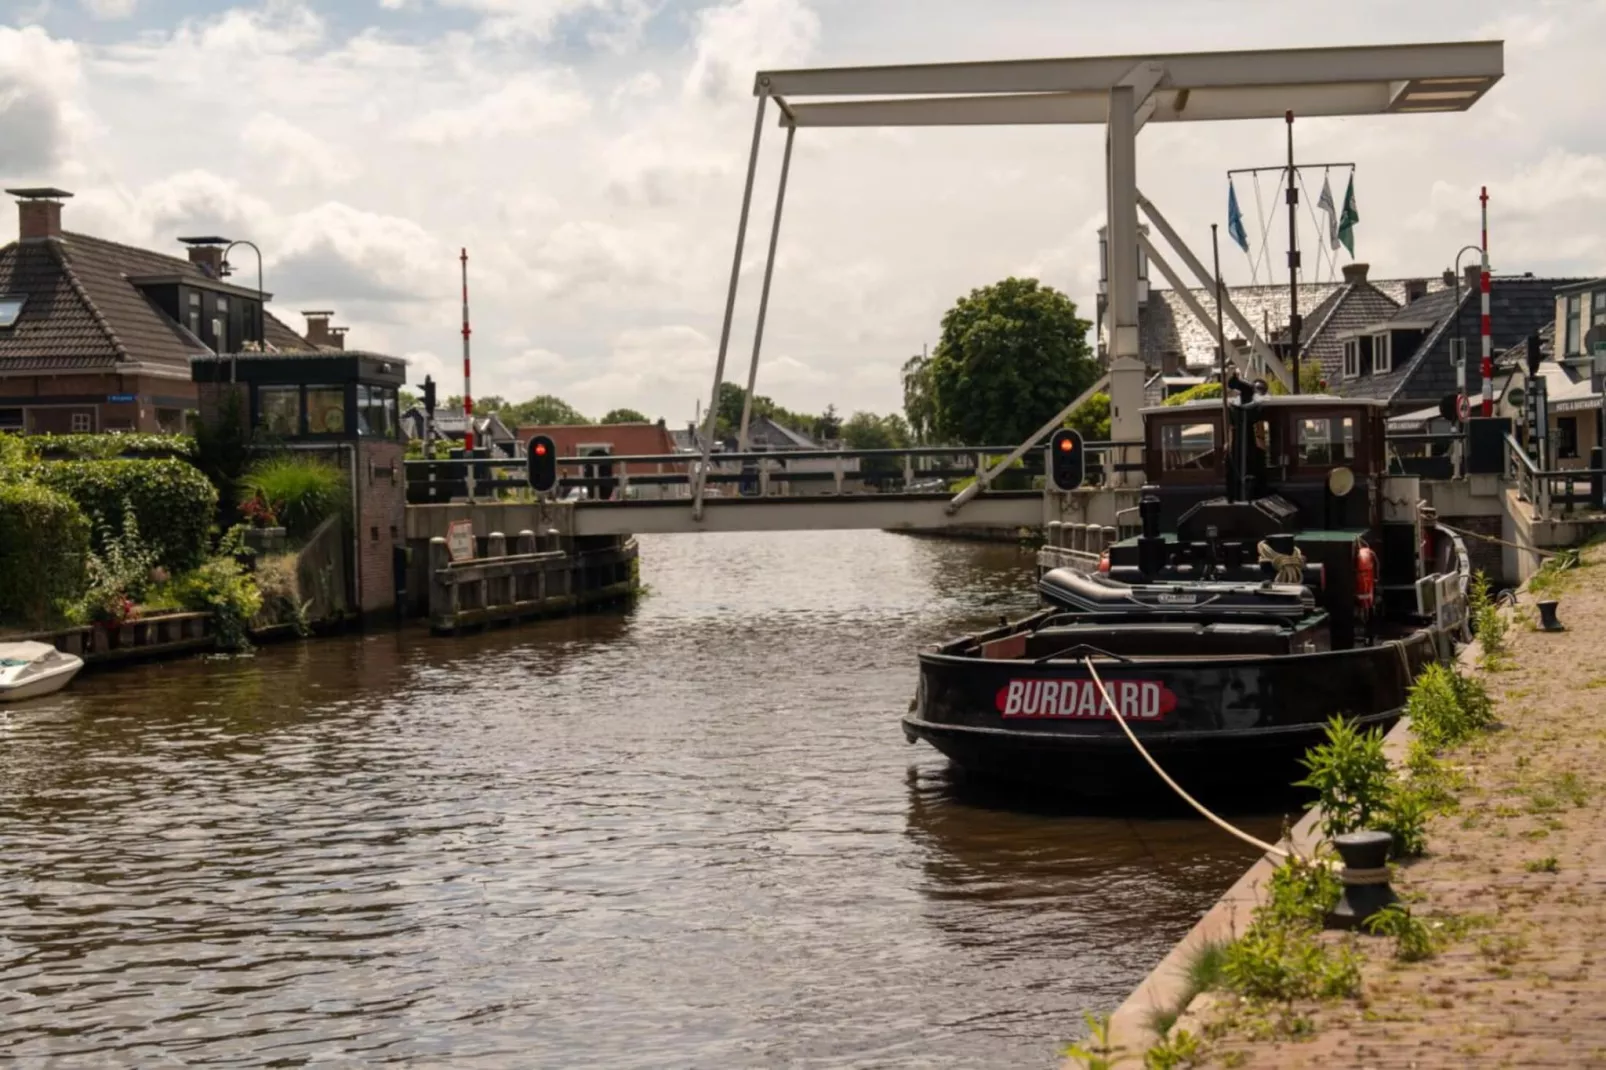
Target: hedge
point(43, 539)
point(113, 444)
point(172, 501)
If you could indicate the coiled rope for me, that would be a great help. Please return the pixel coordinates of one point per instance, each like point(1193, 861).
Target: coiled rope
point(1290, 567)
point(1284, 853)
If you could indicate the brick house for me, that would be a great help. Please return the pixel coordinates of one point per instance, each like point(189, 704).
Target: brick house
point(97, 336)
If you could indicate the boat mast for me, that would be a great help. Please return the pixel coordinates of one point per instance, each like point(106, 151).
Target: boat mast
point(1221, 370)
point(1293, 257)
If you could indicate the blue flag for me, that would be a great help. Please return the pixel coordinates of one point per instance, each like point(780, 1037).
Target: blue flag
point(1235, 219)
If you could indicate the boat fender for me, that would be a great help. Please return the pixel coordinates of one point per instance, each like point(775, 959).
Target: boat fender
point(1365, 576)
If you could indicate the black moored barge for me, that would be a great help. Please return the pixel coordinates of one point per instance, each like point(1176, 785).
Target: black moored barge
point(1281, 576)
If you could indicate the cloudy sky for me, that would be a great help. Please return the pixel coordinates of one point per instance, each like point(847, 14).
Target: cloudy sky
point(590, 156)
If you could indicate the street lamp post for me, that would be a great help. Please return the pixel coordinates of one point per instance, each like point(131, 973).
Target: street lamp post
point(261, 333)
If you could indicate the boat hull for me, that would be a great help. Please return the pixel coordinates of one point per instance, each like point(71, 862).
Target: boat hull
point(1218, 726)
point(39, 684)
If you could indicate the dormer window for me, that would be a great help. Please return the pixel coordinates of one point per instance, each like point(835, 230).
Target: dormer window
point(1573, 336)
point(195, 314)
point(11, 308)
point(1382, 353)
point(1352, 358)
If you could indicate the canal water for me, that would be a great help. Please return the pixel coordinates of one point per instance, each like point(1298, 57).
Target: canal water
point(685, 834)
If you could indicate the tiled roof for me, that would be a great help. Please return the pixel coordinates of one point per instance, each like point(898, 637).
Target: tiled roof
point(281, 337)
point(83, 309)
point(1354, 306)
point(1517, 355)
point(1166, 325)
point(1518, 306)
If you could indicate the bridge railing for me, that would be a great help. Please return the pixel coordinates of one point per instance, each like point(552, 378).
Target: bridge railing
point(1544, 489)
point(781, 473)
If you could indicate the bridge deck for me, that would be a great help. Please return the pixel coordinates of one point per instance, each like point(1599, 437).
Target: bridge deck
point(892, 512)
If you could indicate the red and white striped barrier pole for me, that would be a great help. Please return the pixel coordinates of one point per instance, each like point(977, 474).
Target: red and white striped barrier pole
point(468, 390)
point(1487, 368)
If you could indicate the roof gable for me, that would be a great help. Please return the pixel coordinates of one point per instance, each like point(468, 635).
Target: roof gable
point(58, 327)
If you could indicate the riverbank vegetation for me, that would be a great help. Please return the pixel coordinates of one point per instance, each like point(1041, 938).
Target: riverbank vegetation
point(105, 529)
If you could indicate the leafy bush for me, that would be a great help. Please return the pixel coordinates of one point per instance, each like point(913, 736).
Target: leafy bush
point(44, 538)
point(119, 575)
point(1487, 623)
point(301, 492)
point(104, 447)
point(172, 502)
point(224, 589)
point(16, 453)
point(223, 447)
point(1350, 776)
point(280, 586)
point(1447, 708)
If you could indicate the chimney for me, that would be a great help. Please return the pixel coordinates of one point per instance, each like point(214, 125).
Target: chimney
point(1415, 289)
point(1474, 279)
point(337, 337)
point(38, 212)
point(318, 331)
point(1354, 273)
point(1170, 362)
point(206, 253)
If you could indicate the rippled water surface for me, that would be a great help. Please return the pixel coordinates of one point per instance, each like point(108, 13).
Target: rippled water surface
point(685, 834)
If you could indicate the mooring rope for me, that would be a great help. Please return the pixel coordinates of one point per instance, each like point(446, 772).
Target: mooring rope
point(1189, 799)
point(1501, 542)
point(1290, 567)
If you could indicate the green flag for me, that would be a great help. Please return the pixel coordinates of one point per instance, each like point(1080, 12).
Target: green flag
point(1348, 217)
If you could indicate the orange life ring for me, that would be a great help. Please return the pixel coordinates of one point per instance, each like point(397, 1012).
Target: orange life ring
point(1365, 577)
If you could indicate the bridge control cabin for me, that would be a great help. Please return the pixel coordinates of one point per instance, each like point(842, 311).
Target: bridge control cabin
point(1234, 491)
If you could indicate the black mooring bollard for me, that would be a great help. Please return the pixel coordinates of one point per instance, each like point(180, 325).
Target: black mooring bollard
point(1547, 617)
point(1365, 876)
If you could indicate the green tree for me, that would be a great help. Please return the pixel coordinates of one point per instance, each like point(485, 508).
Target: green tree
point(406, 399)
point(918, 403)
point(1092, 418)
point(543, 410)
point(828, 424)
point(489, 403)
point(867, 431)
point(624, 416)
point(1011, 356)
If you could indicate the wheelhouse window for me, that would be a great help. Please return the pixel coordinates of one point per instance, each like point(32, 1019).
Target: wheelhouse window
point(326, 410)
point(11, 308)
point(279, 409)
point(1324, 441)
point(1187, 447)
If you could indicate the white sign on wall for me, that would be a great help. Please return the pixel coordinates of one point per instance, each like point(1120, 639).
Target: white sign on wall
point(460, 540)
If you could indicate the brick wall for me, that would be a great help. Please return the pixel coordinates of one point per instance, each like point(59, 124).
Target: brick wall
point(381, 509)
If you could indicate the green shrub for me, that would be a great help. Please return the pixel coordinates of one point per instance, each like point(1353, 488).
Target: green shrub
point(172, 501)
point(44, 538)
point(16, 453)
point(302, 492)
point(104, 447)
point(1350, 776)
point(224, 589)
point(119, 575)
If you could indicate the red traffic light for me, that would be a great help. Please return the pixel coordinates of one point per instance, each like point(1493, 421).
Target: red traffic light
point(540, 449)
point(1066, 445)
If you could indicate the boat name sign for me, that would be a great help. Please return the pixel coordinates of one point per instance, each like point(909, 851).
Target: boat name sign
point(1079, 699)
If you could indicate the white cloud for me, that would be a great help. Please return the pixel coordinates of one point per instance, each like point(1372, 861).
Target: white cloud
point(110, 9)
point(590, 155)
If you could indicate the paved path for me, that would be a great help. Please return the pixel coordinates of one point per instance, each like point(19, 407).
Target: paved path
point(1522, 865)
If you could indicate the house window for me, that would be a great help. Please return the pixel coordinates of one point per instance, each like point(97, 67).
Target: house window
point(82, 423)
point(171, 421)
point(11, 308)
point(1352, 359)
point(1382, 353)
point(1325, 441)
point(1573, 338)
point(376, 411)
point(195, 314)
point(11, 420)
point(326, 410)
point(1566, 437)
point(1187, 447)
point(279, 409)
point(1597, 316)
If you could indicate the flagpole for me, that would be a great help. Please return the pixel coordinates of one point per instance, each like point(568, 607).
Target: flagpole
point(1221, 360)
point(1293, 257)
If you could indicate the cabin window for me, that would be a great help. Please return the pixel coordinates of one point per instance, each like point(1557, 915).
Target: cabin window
point(326, 410)
point(1325, 441)
point(1382, 353)
point(279, 409)
point(1574, 336)
point(1187, 447)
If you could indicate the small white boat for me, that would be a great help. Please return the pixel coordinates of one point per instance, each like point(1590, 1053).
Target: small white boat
point(28, 670)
